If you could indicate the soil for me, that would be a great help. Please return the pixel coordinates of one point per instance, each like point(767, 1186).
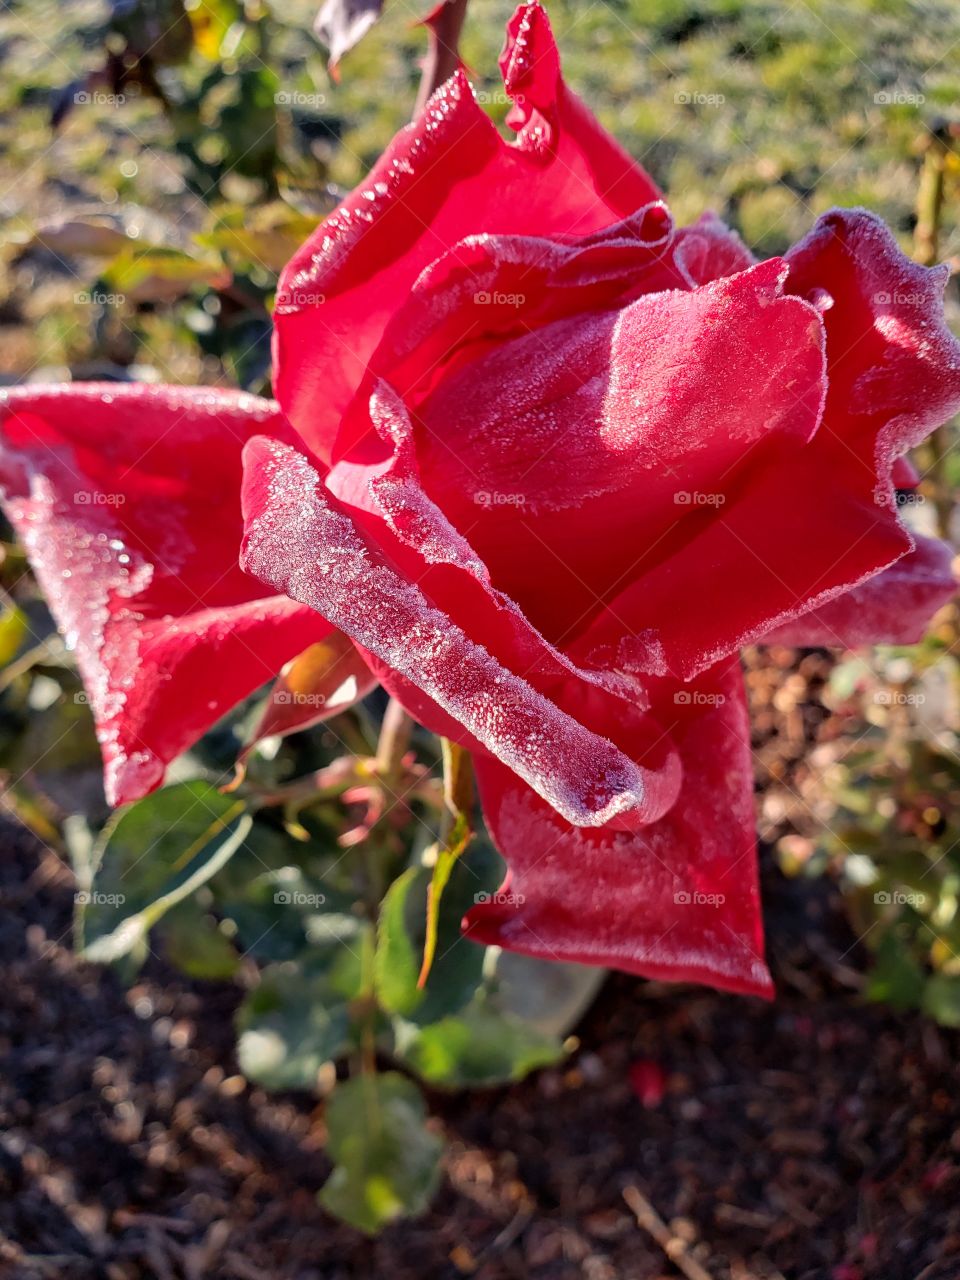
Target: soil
point(814, 1137)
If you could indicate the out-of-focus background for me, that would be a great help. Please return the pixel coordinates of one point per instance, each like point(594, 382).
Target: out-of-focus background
point(157, 167)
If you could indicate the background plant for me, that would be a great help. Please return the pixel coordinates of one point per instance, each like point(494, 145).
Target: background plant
point(229, 143)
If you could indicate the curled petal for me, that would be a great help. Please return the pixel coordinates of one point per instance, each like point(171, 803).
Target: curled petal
point(126, 499)
point(447, 176)
point(636, 424)
point(894, 366)
point(893, 607)
point(300, 543)
point(677, 900)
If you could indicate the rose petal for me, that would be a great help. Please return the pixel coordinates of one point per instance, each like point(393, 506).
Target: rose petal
point(447, 176)
point(824, 520)
point(678, 900)
point(893, 607)
point(627, 419)
point(893, 365)
point(126, 499)
point(299, 542)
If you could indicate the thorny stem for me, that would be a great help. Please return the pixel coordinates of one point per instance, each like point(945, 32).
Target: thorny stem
point(938, 145)
point(443, 55)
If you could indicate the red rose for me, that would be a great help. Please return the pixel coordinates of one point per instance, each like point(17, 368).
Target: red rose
point(549, 462)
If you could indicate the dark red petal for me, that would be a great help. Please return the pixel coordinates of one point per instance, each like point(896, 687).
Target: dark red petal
point(447, 176)
point(797, 535)
point(894, 607)
point(893, 365)
point(825, 520)
point(301, 543)
point(708, 250)
point(677, 900)
point(489, 289)
point(126, 499)
point(633, 424)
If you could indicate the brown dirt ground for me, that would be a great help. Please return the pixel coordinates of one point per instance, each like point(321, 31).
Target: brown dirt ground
point(814, 1137)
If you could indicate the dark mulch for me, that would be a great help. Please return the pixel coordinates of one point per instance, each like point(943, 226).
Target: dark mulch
point(814, 1137)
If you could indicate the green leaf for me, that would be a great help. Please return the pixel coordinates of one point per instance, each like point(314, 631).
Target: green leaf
point(458, 793)
point(941, 999)
point(387, 1162)
point(13, 630)
point(478, 1047)
point(159, 273)
point(458, 968)
point(195, 943)
point(296, 1020)
point(152, 856)
point(897, 978)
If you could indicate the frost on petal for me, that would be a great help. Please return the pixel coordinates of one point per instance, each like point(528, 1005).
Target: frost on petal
point(126, 500)
point(677, 900)
point(447, 176)
point(893, 607)
point(300, 542)
point(820, 521)
point(636, 426)
point(709, 250)
point(893, 365)
point(493, 288)
point(797, 535)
